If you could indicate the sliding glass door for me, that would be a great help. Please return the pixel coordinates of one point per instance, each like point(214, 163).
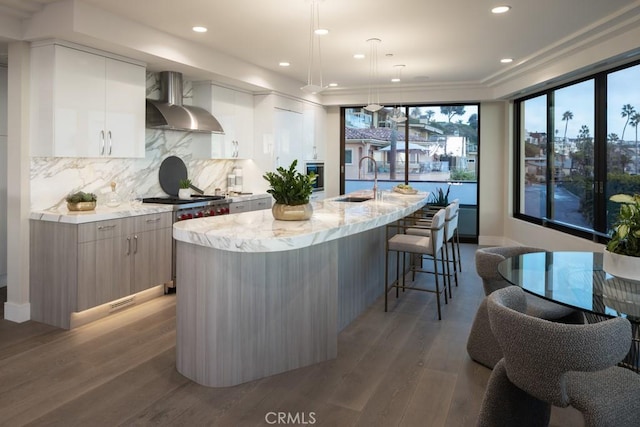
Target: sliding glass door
point(430, 147)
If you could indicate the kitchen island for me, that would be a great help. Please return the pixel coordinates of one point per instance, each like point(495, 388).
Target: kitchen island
point(259, 296)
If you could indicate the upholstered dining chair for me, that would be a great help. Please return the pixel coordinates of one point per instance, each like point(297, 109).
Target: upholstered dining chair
point(481, 344)
point(549, 363)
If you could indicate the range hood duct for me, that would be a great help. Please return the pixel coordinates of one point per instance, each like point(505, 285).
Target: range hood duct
point(169, 113)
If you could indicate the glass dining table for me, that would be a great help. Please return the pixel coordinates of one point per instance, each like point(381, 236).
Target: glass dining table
point(577, 280)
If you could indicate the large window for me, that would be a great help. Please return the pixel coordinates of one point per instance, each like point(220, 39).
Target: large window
point(576, 146)
point(431, 147)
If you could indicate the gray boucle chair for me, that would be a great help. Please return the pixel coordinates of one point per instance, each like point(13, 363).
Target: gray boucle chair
point(548, 363)
point(481, 344)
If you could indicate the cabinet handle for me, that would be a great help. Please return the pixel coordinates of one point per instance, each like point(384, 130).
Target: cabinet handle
point(110, 144)
point(106, 227)
point(102, 139)
point(135, 244)
point(153, 220)
point(235, 153)
point(128, 245)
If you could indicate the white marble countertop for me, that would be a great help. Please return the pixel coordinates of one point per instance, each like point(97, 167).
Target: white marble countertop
point(258, 231)
point(124, 210)
point(100, 213)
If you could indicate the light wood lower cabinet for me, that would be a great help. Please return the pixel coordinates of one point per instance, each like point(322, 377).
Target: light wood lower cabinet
point(250, 205)
point(76, 267)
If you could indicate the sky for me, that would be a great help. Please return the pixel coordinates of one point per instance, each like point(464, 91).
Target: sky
point(468, 111)
point(623, 87)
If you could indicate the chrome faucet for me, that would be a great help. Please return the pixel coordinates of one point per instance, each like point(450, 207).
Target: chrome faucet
point(375, 173)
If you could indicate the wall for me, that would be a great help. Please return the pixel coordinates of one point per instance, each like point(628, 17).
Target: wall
point(52, 178)
point(3, 176)
point(332, 161)
point(494, 176)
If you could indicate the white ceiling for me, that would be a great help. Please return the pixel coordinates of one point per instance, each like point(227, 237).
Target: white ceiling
point(455, 41)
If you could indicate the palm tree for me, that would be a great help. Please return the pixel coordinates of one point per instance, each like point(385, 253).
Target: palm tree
point(627, 111)
point(429, 115)
point(634, 120)
point(566, 116)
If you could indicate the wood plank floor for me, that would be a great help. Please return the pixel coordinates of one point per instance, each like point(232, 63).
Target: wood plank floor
point(401, 368)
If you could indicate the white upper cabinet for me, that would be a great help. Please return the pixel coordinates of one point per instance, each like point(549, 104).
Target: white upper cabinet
point(313, 132)
point(234, 110)
point(288, 137)
point(279, 131)
point(85, 104)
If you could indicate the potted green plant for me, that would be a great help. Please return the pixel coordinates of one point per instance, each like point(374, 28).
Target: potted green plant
point(185, 189)
point(440, 198)
point(81, 201)
point(621, 257)
point(291, 191)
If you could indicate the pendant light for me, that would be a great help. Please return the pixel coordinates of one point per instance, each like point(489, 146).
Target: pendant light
point(314, 51)
point(398, 115)
point(373, 102)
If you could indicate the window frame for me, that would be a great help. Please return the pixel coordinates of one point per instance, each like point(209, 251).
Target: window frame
point(350, 150)
point(599, 234)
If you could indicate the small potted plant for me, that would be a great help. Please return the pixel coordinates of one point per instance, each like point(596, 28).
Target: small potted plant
point(185, 189)
point(81, 201)
point(440, 198)
point(621, 257)
point(291, 191)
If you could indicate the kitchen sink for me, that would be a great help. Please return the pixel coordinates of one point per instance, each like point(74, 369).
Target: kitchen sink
point(353, 199)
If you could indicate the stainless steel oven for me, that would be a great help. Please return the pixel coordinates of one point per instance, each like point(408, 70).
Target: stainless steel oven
point(318, 169)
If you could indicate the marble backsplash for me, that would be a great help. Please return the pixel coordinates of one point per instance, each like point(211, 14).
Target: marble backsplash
point(52, 178)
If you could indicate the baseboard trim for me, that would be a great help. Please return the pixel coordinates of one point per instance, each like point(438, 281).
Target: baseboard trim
point(18, 313)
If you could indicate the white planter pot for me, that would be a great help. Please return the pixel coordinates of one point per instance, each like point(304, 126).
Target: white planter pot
point(622, 266)
point(184, 193)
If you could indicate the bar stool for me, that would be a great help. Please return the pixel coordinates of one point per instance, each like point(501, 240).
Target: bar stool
point(423, 217)
point(421, 227)
point(420, 246)
point(456, 235)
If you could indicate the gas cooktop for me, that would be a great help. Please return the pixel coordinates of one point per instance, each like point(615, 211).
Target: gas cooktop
point(172, 200)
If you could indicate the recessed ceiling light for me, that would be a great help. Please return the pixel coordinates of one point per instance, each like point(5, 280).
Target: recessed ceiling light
point(359, 56)
point(333, 84)
point(501, 9)
point(321, 31)
point(395, 80)
point(506, 60)
point(284, 63)
point(200, 29)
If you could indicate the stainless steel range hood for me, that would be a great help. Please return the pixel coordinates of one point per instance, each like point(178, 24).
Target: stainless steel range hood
point(169, 113)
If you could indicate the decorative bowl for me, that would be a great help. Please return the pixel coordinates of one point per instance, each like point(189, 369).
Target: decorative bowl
point(405, 190)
